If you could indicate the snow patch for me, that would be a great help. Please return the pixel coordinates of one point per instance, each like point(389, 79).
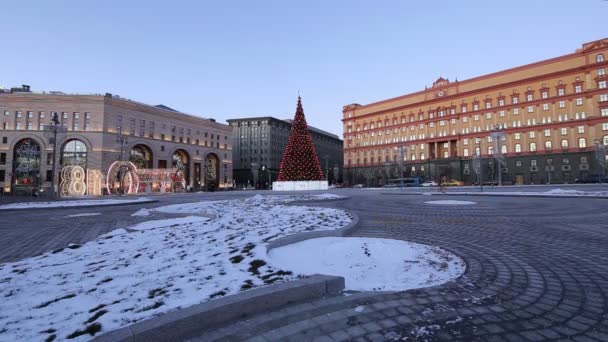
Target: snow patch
point(84, 215)
point(141, 213)
point(79, 203)
point(125, 277)
point(370, 264)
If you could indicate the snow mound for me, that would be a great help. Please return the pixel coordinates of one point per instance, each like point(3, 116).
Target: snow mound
point(174, 222)
point(370, 263)
point(84, 215)
point(450, 202)
point(141, 213)
point(564, 191)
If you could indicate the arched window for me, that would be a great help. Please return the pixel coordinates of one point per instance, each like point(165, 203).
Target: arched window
point(413, 156)
point(532, 147)
point(490, 150)
point(421, 155)
point(503, 149)
point(605, 140)
point(466, 152)
point(582, 143)
point(548, 145)
point(599, 58)
point(446, 154)
point(517, 148)
point(74, 154)
point(565, 143)
point(141, 156)
point(26, 162)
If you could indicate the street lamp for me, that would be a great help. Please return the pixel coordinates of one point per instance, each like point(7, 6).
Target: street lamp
point(498, 134)
point(55, 128)
point(600, 156)
point(402, 150)
point(478, 165)
point(122, 140)
point(327, 168)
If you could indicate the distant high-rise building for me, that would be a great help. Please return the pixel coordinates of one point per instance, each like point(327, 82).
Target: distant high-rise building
point(258, 146)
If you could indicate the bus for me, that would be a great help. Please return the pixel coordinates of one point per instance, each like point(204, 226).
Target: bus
point(407, 182)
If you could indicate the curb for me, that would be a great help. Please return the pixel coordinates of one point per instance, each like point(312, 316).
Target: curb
point(196, 320)
point(81, 206)
point(491, 194)
point(297, 237)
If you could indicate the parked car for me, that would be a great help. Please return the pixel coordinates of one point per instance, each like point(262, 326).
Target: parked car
point(429, 183)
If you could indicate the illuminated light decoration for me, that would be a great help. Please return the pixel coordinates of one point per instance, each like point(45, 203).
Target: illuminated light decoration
point(130, 180)
point(300, 161)
point(72, 181)
point(94, 182)
point(160, 180)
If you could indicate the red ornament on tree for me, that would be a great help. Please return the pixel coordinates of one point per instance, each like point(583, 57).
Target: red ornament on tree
point(300, 161)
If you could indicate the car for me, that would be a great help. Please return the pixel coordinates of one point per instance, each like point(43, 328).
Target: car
point(429, 183)
point(453, 182)
point(358, 186)
point(391, 186)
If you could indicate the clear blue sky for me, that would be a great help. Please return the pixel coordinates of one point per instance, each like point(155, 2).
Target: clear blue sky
point(228, 59)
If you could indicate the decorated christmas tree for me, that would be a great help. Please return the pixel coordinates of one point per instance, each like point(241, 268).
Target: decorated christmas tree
point(300, 161)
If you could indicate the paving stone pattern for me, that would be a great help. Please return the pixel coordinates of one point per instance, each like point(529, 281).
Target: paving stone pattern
point(537, 269)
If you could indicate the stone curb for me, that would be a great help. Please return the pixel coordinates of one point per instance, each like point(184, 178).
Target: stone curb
point(196, 320)
point(297, 237)
point(490, 194)
point(81, 206)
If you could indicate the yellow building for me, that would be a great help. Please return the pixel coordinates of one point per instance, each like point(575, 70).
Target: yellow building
point(537, 123)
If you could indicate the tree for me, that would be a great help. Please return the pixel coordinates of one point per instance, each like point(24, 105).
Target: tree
point(300, 161)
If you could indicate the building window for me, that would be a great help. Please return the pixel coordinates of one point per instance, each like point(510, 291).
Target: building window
point(2, 160)
point(545, 94)
point(602, 84)
point(533, 162)
point(547, 132)
point(530, 109)
point(605, 140)
point(581, 129)
point(532, 135)
point(561, 91)
point(515, 111)
point(583, 160)
point(466, 152)
point(605, 126)
point(518, 163)
point(545, 106)
point(582, 143)
point(564, 143)
point(517, 148)
point(578, 89)
point(604, 111)
point(548, 145)
point(579, 101)
point(601, 72)
point(599, 58)
point(532, 147)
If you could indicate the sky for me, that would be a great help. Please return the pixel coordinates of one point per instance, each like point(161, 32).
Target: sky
point(234, 59)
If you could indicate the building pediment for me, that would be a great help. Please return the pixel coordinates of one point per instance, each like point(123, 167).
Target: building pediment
point(596, 45)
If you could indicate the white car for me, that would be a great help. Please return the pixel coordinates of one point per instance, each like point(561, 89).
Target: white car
point(429, 183)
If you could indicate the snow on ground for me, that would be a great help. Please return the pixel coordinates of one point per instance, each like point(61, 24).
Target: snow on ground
point(126, 276)
point(84, 215)
point(78, 203)
point(172, 222)
point(450, 202)
point(370, 264)
point(552, 193)
point(142, 212)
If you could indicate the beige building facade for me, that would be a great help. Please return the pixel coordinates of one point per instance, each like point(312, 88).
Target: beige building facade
point(538, 123)
point(172, 151)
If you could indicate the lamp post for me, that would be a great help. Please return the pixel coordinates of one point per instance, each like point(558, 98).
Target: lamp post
point(327, 168)
point(478, 165)
point(600, 156)
point(498, 134)
point(401, 162)
point(122, 140)
point(55, 129)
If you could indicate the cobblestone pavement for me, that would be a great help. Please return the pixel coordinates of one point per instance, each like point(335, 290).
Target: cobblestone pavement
point(537, 269)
